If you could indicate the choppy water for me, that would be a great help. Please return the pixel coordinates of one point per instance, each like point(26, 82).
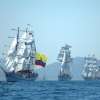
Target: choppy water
point(51, 90)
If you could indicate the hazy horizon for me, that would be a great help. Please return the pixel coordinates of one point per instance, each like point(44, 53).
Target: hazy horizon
point(54, 68)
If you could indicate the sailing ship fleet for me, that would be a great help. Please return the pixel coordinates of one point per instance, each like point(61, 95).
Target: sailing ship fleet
point(23, 58)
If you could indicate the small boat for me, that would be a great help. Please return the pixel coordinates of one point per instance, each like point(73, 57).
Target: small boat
point(44, 78)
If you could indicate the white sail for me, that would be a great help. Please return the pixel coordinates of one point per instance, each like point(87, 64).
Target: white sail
point(11, 54)
point(10, 64)
point(21, 65)
point(90, 74)
point(29, 55)
point(12, 51)
point(23, 52)
point(22, 55)
point(15, 62)
point(23, 38)
point(66, 65)
point(60, 57)
point(30, 41)
point(33, 54)
point(90, 67)
point(18, 55)
point(66, 60)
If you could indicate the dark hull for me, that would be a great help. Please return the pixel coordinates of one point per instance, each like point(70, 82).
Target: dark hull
point(13, 77)
point(91, 79)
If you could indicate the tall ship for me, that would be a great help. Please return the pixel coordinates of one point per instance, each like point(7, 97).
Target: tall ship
point(21, 58)
point(66, 63)
point(91, 68)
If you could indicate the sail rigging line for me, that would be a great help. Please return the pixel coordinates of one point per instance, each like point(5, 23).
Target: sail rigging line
point(32, 49)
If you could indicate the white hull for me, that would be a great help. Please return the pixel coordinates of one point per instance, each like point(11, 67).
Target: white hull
point(64, 78)
point(91, 79)
point(12, 77)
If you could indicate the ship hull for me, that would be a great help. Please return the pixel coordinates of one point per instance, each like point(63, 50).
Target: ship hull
point(90, 79)
point(13, 77)
point(64, 78)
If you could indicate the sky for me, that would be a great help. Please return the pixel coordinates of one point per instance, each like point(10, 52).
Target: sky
point(55, 23)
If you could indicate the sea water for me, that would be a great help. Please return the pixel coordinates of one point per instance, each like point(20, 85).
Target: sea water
point(51, 90)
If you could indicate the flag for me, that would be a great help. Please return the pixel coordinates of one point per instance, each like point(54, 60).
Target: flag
point(69, 46)
point(93, 55)
point(2, 53)
point(30, 33)
point(38, 57)
point(29, 25)
point(40, 60)
point(44, 58)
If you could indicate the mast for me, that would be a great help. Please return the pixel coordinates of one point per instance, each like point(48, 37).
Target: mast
point(17, 36)
point(17, 44)
point(33, 53)
point(12, 51)
point(17, 39)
